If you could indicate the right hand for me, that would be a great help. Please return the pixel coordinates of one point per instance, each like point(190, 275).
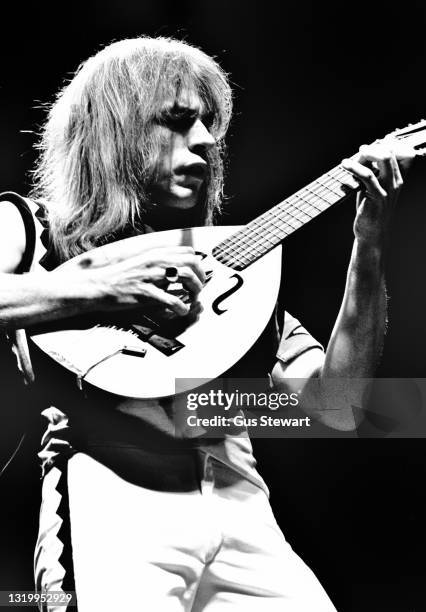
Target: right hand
point(141, 280)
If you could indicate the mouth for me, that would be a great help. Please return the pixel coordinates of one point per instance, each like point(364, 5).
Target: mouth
point(196, 171)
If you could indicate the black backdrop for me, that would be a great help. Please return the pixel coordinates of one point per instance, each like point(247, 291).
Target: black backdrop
point(313, 81)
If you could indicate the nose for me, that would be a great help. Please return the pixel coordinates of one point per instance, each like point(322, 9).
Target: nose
point(199, 137)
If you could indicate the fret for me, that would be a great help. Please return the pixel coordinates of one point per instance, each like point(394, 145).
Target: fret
point(269, 229)
point(345, 178)
point(295, 211)
point(287, 219)
point(261, 233)
point(318, 194)
point(256, 248)
point(301, 214)
point(275, 230)
point(331, 189)
point(311, 204)
point(247, 245)
point(274, 235)
point(286, 222)
point(267, 237)
point(300, 208)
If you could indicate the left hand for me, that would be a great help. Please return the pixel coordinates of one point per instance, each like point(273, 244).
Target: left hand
point(378, 167)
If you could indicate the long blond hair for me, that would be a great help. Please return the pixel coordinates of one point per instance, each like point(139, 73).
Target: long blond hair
point(98, 148)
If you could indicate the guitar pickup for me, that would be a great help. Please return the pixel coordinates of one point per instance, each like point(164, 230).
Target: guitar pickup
point(147, 333)
point(144, 332)
point(167, 346)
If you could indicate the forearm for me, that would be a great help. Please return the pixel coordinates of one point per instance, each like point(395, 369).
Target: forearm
point(357, 339)
point(333, 389)
point(356, 342)
point(30, 299)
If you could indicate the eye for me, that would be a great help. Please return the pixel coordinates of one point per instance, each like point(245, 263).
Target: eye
point(208, 119)
point(178, 120)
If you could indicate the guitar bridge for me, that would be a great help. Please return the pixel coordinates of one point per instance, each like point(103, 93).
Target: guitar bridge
point(134, 351)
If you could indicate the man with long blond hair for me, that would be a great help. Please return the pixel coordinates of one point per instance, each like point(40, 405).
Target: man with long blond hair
point(132, 516)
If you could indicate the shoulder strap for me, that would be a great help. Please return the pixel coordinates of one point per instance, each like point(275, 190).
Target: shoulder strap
point(18, 338)
point(30, 230)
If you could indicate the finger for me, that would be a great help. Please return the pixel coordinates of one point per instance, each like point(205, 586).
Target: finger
point(388, 173)
point(154, 274)
point(168, 300)
point(190, 280)
point(196, 307)
point(194, 262)
point(154, 262)
point(195, 311)
point(397, 176)
point(383, 157)
point(187, 261)
point(373, 153)
point(403, 152)
point(389, 146)
point(185, 275)
point(162, 254)
point(366, 177)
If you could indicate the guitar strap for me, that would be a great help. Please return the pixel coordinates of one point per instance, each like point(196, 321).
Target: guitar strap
point(19, 376)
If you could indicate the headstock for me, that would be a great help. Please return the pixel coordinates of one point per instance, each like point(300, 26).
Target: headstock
point(414, 135)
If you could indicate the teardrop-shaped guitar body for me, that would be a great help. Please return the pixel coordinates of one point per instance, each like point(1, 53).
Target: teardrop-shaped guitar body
point(140, 358)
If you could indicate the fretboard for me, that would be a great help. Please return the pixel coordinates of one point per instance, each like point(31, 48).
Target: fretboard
point(264, 233)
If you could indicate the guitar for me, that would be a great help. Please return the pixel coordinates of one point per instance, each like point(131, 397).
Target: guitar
point(136, 356)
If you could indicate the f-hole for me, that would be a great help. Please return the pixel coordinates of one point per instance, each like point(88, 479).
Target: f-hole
point(215, 306)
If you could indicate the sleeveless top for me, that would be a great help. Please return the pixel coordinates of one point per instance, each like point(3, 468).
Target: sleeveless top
point(79, 420)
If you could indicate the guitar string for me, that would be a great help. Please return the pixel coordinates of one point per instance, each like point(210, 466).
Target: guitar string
point(271, 231)
point(303, 205)
point(315, 197)
point(268, 232)
point(299, 214)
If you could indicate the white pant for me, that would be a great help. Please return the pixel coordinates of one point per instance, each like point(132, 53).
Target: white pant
point(213, 549)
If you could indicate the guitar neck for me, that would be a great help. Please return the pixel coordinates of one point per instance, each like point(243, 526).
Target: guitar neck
point(264, 233)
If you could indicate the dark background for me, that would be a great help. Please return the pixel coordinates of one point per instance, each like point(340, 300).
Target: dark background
point(312, 81)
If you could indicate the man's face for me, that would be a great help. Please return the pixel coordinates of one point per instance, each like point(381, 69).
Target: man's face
point(182, 166)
